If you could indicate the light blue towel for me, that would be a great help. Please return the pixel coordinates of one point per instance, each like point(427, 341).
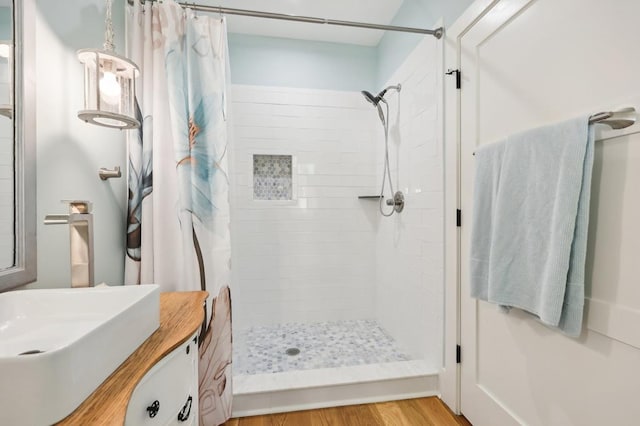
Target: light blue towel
point(530, 220)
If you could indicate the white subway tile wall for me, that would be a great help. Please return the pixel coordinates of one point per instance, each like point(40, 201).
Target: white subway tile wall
point(311, 259)
point(410, 255)
point(328, 256)
point(6, 87)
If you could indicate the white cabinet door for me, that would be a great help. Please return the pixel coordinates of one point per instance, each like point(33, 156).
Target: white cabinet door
point(167, 395)
point(526, 63)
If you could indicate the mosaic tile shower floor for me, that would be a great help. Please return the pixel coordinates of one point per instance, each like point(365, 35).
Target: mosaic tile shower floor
point(331, 344)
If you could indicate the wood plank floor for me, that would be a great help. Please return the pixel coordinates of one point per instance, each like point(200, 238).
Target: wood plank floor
point(411, 412)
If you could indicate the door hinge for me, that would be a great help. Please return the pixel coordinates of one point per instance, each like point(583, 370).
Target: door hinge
point(458, 354)
point(458, 218)
point(457, 73)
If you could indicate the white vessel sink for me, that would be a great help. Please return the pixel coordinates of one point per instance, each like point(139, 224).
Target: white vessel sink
point(57, 346)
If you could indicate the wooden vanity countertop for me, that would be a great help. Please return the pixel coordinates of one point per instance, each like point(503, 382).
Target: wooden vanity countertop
point(181, 314)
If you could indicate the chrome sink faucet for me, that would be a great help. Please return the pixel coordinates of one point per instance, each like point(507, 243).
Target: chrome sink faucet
point(80, 222)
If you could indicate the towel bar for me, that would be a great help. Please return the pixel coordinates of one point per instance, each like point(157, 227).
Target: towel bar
point(619, 119)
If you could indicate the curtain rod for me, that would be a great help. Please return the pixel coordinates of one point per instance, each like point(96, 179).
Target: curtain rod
point(437, 33)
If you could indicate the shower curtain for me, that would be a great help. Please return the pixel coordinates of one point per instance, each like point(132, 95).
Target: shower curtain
point(178, 212)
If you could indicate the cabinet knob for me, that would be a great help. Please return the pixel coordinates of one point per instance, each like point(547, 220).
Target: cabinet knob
point(153, 408)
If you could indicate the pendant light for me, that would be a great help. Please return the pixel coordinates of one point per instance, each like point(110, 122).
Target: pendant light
point(109, 84)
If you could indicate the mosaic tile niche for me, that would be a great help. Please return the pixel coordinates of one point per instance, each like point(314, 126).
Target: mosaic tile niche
point(272, 177)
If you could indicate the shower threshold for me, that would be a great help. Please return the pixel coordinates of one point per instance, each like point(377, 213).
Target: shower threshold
point(267, 393)
point(295, 366)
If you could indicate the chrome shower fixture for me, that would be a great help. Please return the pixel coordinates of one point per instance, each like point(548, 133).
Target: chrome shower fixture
point(375, 100)
point(397, 202)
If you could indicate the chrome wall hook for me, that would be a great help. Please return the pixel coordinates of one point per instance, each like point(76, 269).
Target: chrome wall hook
point(105, 173)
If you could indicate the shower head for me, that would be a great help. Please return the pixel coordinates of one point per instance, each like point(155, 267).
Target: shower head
point(369, 97)
point(375, 100)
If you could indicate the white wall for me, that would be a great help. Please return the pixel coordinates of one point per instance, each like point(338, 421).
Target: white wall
point(313, 260)
point(69, 151)
point(410, 255)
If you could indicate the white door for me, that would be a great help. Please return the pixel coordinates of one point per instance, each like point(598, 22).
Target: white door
point(526, 63)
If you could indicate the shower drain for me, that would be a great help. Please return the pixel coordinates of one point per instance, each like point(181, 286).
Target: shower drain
point(292, 351)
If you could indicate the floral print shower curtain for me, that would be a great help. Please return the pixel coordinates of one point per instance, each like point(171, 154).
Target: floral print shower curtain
point(178, 214)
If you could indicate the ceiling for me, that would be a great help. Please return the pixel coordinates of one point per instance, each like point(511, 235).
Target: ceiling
point(370, 11)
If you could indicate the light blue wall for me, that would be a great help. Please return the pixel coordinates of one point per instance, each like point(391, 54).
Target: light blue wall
point(285, 62)
point(271, 61)
point(6, 23)
point(69, 151)
point(395, 47)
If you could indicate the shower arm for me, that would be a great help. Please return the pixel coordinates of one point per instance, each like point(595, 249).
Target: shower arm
point(396, 87)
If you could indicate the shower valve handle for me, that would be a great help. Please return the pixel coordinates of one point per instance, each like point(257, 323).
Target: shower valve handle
point(397, 201)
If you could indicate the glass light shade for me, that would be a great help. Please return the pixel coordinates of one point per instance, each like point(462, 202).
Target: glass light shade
point(109, 89)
